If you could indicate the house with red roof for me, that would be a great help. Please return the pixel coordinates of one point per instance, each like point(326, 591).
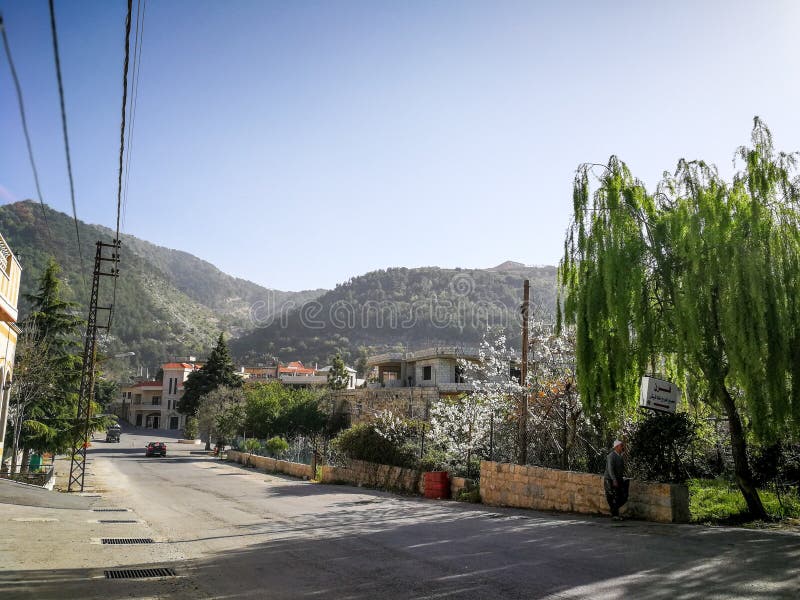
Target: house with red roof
point(154, 404)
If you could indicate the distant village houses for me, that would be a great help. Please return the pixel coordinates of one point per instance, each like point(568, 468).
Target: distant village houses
point(153, 404)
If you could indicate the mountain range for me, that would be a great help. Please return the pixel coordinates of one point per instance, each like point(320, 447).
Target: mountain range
point(170, 303)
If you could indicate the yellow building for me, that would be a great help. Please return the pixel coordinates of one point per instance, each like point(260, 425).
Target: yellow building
point(9, 295)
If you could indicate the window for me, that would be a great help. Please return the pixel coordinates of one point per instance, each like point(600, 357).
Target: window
point(169, 404)
point(426, 373)
point(459, 374)
point(156, 401)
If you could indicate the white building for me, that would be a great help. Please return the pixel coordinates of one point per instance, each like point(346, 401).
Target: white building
point(154, 404)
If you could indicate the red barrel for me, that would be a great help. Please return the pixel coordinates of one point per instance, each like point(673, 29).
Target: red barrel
point(437, 484)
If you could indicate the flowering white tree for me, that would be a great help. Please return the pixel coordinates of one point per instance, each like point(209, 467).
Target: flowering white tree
point(464, 426)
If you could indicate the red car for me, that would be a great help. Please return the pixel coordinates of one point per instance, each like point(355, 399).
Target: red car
point(156, 449)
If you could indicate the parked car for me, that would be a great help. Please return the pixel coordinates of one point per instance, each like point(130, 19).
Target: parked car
point(156, 449)
point(113, 433)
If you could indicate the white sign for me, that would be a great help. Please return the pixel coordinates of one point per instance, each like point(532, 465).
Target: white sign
point(657, 394)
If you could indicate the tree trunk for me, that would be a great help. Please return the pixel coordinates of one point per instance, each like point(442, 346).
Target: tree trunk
point(741, 466)
point(26, 459)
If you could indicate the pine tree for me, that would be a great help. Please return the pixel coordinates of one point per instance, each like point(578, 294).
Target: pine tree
point(218, 371)
point(47, 372)
point(338, 377)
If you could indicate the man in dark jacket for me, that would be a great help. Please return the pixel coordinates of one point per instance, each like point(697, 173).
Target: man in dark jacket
point(614, 480)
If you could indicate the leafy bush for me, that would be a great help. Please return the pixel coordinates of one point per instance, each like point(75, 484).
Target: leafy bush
point(472, 495)
point(658, 447)
point(777, 464)
point(252, 445)
point(190, 429)
point(365, 442)
point(276, 446)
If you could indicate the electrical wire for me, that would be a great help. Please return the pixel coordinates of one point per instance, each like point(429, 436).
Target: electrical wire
point(124, 107)
point(66, 140)
point(121, 156)
point(137, 57)
point(25, 130)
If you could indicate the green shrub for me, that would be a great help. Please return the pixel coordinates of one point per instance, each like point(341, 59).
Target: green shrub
point(365, 442)
point(472, 495)
point(659, 446)
point(276, 446)
point(252, 445)
point(190, 429)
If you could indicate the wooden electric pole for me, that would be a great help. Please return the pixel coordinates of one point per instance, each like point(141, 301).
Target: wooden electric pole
point(522, 436)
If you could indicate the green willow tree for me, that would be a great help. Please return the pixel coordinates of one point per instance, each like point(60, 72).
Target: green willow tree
point(700, 279)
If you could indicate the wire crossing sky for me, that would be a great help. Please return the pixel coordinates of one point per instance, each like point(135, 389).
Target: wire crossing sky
point(297, 144)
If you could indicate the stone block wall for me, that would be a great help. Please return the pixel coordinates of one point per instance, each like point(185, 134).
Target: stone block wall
point(459, 484)
point(274, 465)
point(538, 488)
point(373, 475)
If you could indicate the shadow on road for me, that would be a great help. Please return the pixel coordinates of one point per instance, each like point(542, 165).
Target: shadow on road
point(449, 551)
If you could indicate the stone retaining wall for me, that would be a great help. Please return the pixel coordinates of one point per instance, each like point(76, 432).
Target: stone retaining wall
point(271, 464)
point(459, 484)
point(550, 489)
point(374, 475)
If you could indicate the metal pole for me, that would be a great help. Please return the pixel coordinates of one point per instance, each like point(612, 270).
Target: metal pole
point(522, 435)
point(77, 471)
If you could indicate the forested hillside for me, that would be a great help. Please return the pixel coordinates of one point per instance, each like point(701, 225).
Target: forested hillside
point(167, 302)
point(404, 308)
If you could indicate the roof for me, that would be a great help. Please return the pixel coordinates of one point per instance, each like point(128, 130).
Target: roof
point(449, 352)
point(143, 384)
point(178, 366)
point(329, 367)
point(295, 367)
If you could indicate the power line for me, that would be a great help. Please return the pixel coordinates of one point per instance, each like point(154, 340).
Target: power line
point(66, 139)
point(25, 129)
point(137, 57)
point(121, 151)
point(124, 106)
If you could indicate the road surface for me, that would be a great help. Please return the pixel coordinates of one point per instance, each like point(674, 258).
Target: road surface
point(232, 532)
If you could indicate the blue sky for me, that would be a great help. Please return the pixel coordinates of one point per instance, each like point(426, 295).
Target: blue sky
point(297, 144)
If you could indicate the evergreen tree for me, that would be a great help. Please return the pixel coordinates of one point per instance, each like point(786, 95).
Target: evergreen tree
point(47, 372)
point(338, 377)
point(217, 371)
point(701, 279)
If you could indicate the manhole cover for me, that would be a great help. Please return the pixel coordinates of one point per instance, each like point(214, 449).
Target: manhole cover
point(126, 541)
point(139, 573)
point(117, 521)
point(109, 510)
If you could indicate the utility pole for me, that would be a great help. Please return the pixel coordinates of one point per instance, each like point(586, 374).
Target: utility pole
point(77, 469)
point(522, 435)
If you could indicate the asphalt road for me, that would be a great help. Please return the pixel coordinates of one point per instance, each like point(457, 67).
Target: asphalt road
point(231, 532)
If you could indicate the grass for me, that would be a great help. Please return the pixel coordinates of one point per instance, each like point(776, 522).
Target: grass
point(720, 501)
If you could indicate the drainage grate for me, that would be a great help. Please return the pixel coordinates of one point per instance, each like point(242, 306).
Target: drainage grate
point(126, 540)
point(109, 510)
point(117, 521)
point(139, 573)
